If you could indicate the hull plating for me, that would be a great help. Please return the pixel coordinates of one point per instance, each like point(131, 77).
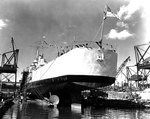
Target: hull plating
point(79, 61)
point(77, 70)
point(69, 83)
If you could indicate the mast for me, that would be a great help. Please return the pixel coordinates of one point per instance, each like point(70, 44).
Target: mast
point(102, 31)
point(107, 13)
point(103, 22)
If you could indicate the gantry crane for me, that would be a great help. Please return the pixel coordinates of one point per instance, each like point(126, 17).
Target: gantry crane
point(120, 69)
point(8, 66)
point(122, 66)
point(142, 56)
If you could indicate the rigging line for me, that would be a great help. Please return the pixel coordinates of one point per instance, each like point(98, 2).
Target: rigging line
point(40, 95)
point(36, 91)
point(49, 67)
point(97, 32)
point(98, 28)
point(102, 30)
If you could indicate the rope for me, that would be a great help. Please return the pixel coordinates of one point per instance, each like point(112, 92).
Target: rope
point(49, 67)
point(36, 90)
point(97, 32)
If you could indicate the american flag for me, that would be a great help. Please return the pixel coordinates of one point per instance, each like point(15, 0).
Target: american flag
point(109, 13)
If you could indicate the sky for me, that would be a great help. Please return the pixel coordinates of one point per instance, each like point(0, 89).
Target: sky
point(61, 22)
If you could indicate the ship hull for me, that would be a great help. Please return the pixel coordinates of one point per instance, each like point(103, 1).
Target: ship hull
point(81, 82)
point(68, 88)
point(81, 62)
point(77, 70)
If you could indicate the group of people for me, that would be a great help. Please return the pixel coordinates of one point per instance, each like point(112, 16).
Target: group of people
point(66, 49)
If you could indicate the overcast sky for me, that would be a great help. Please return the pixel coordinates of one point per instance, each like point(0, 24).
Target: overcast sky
point(27, 21)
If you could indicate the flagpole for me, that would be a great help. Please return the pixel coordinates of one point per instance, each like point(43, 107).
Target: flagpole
point(102, 30)
point(107, 13)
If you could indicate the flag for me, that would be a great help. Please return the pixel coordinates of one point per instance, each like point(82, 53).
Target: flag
point(109, 13)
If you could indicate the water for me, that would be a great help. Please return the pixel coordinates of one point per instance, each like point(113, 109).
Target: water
point(33, 110)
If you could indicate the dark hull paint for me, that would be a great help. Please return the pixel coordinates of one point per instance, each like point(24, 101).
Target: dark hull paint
point(68, 87)
point(80, 82)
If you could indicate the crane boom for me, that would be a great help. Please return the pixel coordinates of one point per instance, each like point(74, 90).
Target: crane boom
point(122, 66)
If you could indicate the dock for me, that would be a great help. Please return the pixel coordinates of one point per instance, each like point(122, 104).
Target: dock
point(121, 100)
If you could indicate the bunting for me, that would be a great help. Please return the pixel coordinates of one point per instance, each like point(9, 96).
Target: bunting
point(108, 13)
